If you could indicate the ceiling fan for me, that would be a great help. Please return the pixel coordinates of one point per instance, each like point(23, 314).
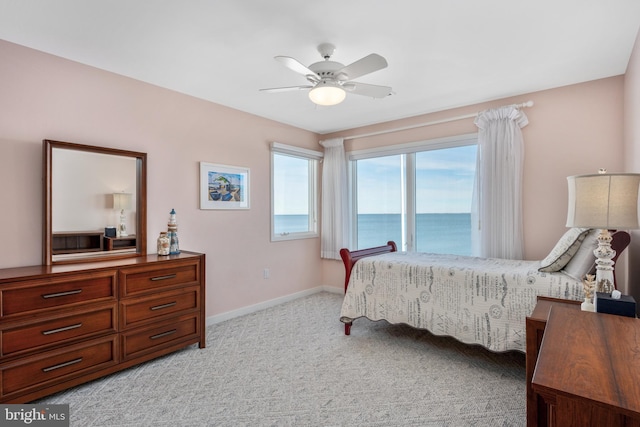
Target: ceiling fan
point(330, 80)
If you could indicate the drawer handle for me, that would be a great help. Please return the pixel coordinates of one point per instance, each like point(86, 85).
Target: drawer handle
point(160, 307)
point(62, 294)
point(66, 328)
point(164, 334)
point(62, 365)
point(168, 276)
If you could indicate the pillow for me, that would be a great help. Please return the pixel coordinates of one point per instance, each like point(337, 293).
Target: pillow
point(564, 250)
point(584, 260)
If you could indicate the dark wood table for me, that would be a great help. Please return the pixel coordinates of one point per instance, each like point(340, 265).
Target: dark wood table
point(588, 369)
point(535, 325)
point(124, 242)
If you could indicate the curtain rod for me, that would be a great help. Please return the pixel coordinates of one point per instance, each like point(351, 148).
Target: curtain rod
point(435, 122)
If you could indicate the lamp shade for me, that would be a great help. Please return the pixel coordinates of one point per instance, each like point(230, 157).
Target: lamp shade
point(605, 201)
point(326, 93)
point(121, 201)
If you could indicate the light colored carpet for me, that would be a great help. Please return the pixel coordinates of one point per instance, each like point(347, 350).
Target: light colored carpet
point(292, 365)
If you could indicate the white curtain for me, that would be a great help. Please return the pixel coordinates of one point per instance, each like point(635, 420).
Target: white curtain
point(335, 215)
point(497, 211)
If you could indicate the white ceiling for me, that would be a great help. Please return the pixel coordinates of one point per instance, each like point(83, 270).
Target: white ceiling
point(441, 54)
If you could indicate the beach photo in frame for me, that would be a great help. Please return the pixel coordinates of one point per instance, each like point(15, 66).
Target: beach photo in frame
point(223, 186)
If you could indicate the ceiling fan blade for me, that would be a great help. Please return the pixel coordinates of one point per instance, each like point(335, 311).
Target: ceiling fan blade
point(366, 65)
point(285, 89)
point(296, 66)
point(364, 89)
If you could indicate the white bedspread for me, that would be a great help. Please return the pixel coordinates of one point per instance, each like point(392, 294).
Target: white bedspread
point(476, 300)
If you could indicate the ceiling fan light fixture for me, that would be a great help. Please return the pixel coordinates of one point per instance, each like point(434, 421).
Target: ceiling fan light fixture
point(327, 94)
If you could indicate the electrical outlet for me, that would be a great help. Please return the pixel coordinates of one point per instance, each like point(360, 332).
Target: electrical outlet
point(266, 273)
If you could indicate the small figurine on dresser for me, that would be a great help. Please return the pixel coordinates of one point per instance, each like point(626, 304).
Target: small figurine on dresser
point(174, 247)
point(164, 243)
point(589, 285)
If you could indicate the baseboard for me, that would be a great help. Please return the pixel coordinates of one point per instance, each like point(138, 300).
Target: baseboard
point(217, 318)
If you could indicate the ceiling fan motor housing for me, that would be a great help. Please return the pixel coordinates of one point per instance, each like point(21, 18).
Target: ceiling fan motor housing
point(327, 69)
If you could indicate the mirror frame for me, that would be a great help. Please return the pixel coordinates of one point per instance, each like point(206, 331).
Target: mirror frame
point(141, 201)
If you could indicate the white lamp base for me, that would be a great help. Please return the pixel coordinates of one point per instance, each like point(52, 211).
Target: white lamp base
point(587, 305)
point(604, 263)
point(122, 227)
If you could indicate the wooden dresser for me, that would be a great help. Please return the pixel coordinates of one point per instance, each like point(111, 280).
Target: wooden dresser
point(64, 325)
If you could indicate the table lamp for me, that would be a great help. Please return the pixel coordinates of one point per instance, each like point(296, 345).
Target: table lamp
point(121, 201)
point(606, 202)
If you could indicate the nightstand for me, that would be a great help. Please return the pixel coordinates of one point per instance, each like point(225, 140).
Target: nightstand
point(535, 325)
point(115, 243)
point(588, 370)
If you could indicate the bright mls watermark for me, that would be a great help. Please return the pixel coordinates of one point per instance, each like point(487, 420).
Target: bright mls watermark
point(34, 415)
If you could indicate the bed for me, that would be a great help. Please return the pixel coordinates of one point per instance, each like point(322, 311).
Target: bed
point(482, 301)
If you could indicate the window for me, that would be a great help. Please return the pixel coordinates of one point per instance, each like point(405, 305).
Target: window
point(418, 195)
point(294, 193)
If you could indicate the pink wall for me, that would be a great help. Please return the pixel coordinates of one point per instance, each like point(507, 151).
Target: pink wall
point(572, 130)
point(48, 97)
point(632, 154)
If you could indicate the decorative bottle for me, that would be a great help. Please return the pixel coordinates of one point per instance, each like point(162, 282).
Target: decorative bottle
point(174, 247)
point(588, 283)
point(163, 243)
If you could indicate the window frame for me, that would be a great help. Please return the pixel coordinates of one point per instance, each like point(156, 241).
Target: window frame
point(409, 188)
point(313, 157)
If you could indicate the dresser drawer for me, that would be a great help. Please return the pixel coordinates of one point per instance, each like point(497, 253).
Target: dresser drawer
point(154, 278)
point(58, 292)
point(145, 340)
point(136, 311)
point(58, 365)
point(60, 329)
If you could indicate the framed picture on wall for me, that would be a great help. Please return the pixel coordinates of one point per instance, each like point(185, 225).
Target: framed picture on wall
point(223, 187)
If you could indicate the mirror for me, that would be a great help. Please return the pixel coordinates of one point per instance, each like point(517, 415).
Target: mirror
point(95, 203)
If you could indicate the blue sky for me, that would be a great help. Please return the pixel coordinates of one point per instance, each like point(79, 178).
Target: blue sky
point(444, 182)
point(291, 196)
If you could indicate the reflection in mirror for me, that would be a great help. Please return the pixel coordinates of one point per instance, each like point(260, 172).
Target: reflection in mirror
point(86, 187)
point(95, 202)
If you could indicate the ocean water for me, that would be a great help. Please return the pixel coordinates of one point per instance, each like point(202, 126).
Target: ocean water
point(290, 223)
point(436, 233)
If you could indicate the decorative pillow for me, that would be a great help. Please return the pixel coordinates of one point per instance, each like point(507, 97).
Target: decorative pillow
point(564, 250)
point(584, 260)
